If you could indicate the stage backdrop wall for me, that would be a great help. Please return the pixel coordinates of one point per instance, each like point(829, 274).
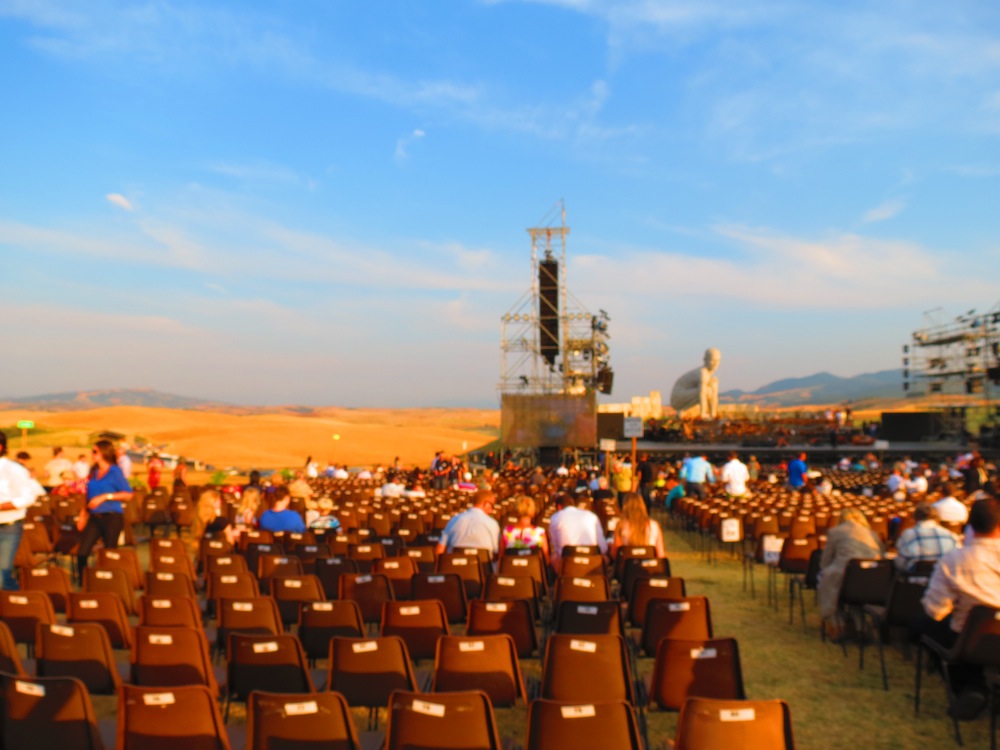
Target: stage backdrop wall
point(534, 421)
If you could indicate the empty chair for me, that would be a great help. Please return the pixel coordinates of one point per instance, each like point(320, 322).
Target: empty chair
point(123, 559)
point(10, 659)
point(151, 718)
point(399, 571)
point(227, 563)
point(265, 662)
point(367, 671)
point(587, 726)
point(423, 556)
point(443, 721)
point(587, 668)
point(901, 609)
point(230, 585)
point(365, 554)
point(258, 616)
point(321, 621)
point(49, 712)
point(293, 591)
point(707, 669)
point(113, 581)
point(369, 590)
point(506, 588)
point(82, 651)
point(445, 587)
point(418, 623)
point(487, 663)
point(53, 581)
point(23, 611)
point(513, 618)
point(279, 720)
point(631, 552)
point(589, 618)
point(643, 567)
point(169, 612)
point(865, 582)
point(168, 657)
point(161, 583)
point(532, 565)
point(276, 566)
point(685, 619)
point(646, 589)
point(586, 589)
point(329, 570)
point(172, 562)
point(755, 725)
point(104, 608)
point(582, 566)
point(467, 567)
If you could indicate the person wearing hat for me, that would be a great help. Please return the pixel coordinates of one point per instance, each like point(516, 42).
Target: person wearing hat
point(15, 497)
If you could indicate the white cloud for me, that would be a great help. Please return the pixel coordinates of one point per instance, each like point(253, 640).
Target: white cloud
point(119, 200)
point(884, 211)
point(403, 144)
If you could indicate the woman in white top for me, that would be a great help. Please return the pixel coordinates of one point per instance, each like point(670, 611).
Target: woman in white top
point(635, 527)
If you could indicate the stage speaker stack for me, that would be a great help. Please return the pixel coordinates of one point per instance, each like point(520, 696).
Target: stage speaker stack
point(548, 309)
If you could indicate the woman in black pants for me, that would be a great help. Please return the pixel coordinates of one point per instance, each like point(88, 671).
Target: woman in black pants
point(107, 489)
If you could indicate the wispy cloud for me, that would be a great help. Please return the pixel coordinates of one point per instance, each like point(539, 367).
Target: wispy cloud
point(119, 200)
point(403, 144)
point(884, 211)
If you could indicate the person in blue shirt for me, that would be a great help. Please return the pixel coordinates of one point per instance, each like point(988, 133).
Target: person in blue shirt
point(696, 473)
point(280, 517)
point(107, 489)
point(797, 469)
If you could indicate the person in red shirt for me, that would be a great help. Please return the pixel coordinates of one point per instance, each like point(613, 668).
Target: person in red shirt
point(155, 471)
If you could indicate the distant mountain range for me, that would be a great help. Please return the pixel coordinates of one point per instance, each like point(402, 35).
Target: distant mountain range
point(822, 388)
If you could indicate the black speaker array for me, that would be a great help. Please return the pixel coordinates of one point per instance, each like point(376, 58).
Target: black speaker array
point(548, 309)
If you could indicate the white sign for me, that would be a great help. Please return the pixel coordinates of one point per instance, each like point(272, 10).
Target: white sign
point(632, 427)
point(607, 445)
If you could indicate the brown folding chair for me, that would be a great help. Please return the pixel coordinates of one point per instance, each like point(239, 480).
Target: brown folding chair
point(487, 663)
point(50, 712)
point(53, 581)
point(587, 668)
point(418, 623)
point(105, 608)
point(152, 718)
point(278, 720)
point(753, 725)
point(273, 662)
point(292, 592)
point(586, 726)
point(467, 567)
point(399, 571)
point(10, 658)
point(447, 588)
point(444, 721)
point(82, 651)
point(114, 581)
point(170, 612)
point(512, 617)
point(319, 622)
point(507, 588)
point(590, 618)
point(258, 616)
point(367, 671)
point(23, 612)
point(369, 590)
point(685, 619)
point(123, 559)
point(169, 657)
point(168, 583)
point(646, 590)
point(707, 669)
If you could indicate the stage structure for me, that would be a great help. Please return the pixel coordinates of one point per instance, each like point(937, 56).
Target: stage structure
point(554, 353)
point(956, 364)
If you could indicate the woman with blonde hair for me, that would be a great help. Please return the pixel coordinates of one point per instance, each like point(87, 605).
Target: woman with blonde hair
point(635, 527)
point(524, 534)
point(209, 519)
point(248, 508)
point(851, 539)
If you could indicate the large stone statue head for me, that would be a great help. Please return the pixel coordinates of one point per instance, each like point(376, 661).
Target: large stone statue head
point(712, 358)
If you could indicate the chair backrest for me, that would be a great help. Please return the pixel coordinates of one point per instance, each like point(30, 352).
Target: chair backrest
point(707, 669)
point(369, 590)
point(125, 560)
point(293, 591)
point(228, 563)
point(151, 718)
point(329, 570)
point(447, 588)
point(50, 712)
point(468, 567)
point(258, 615)
point(10, 657)
point(366, 671)
point(487, 663)
point(687, 619)
point(582, 589)
point(444, 720)
point(500, 588)
point(979, 641)
point(265, 662)
point(169, 657)
point(114, 581)
point(581, 566)
point(587, 668)
point(171, 561)
point(105, 608)
point(795, 554)
point(321, 621)
point(162, 583)
point(597, 725)
point(399, 571)
point(23, 611)
point(54, 581)
point(511, 617)
point(423, 556)
point(313, 720)
point(631, 552)
point(752, 725)
point(646, 590)
point(589, 618)
point(82, 651)
point(643, 567)
point(532, 565)
point(418, 623)
point(903, 604)
point(169, 612)
point(866, 582)
point(236, 584)
point(278, 566)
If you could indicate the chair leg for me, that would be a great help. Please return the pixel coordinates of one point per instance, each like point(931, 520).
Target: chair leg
point(950, 694)
point(881, 657)
point(861, 641)
point(918, 670)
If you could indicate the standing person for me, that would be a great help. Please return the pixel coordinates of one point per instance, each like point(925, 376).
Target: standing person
point(180, 474)
point(635, 527)
point(54, 469)
point(15, 497)
point(154, 471)
point(124, 462)
point(797, 469)
point(81, 467)
point(753, 468)
point(107, 489)
point(623, 478)
point(734, 476)
point(646, 477)
point(696, 473)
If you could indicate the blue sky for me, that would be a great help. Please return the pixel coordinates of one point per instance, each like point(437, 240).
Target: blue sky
point(324, 202)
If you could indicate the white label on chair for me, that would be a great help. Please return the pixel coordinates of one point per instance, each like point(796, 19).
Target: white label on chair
point(281, 561)
point(223, 561)
point(301, 709)
point(342, 538)
point(636, 551)
point(586, 609)
point(659, 583)
point(413, 553)
point(737, 714)
point(310, 548)
point(496, 607)
point(17, 599)
point(679, 606)
point(29, 688)
point(649, 562)
point(87, 603)
point(581, 560)
point(40, 572)
point(868, 564)
point(215, 545)
point(104, 575)
point(267, 647)
point(731, 530)
point(473, 552)
point(460, 561)
point(112, 555)
point(364, 548)
point(253, 535)
point(322, 606)
point(466, 646)
point(800, 542)
point(704, 653)
point(291, 583)
point(296, 537)
point(585, 583)
point(519, 562)
point(162, 603)
point(161, 640)
point(391, 565)
point(164, 576)
point(364, 647)
point(996, 616)
point(589, 647)
point(406, 611)
point(578, 712)
point(363, 579)
point(158, 699)
point(435, 579)
point(919, 580)
point(243, 606)
point(62, 630)
point(429, 709)
point(503, 581)
point(772, 549)
point(334, 560)
point(168, 560)
point(228, 579)
point(378, 516)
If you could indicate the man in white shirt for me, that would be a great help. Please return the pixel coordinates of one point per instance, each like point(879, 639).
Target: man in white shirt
point(54, 469)
point(950, 509)
point(81, 467)
point(476, 527)
point(124, 462)
point(735, 476)
point(572, 525)
point(15, 497)
point(916, 484)
point(392, 487)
